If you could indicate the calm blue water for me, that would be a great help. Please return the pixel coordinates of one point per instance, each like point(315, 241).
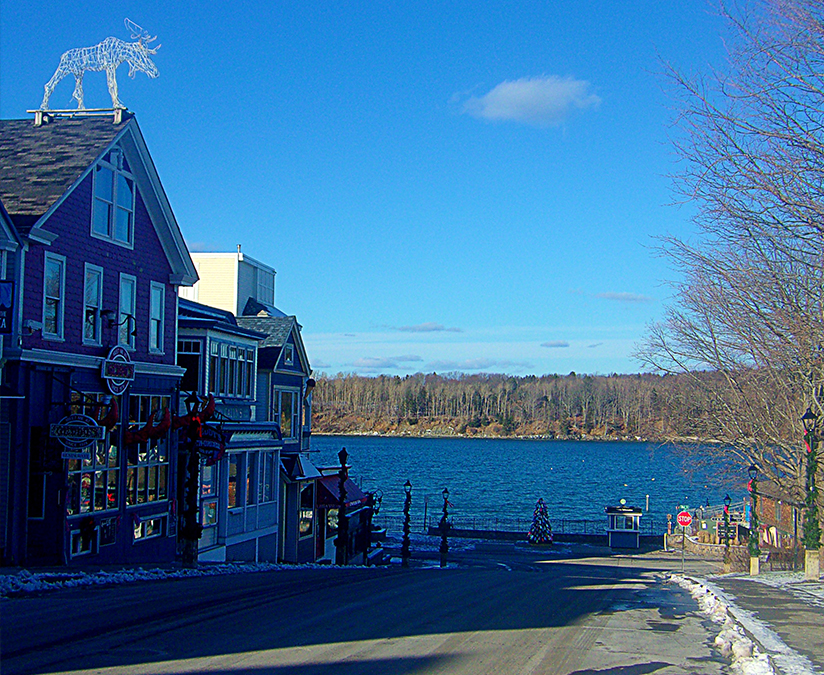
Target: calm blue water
point(490, 478)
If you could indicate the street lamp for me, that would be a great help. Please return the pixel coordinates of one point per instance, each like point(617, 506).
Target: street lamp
point(727, 561)
point(755, 551)
point(812, 528)
point(444, 527)
point(342, 540)
point(405, 554)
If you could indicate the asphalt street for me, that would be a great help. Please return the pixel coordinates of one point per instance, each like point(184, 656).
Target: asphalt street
point(502, 608)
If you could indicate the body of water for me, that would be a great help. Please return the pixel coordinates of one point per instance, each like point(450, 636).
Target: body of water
point(503, 478)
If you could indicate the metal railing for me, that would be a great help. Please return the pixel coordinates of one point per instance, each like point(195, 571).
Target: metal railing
point(394, 524)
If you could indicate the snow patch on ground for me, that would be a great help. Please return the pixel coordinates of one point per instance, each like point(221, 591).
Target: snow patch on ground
point(737, 625)
point(36, 582)
point(809, 592)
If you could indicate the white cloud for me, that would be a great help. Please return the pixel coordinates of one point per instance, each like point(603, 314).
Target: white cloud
point(538, 101)
point(382, 363)
point(429, 327)
point(555, 344)
point(624, 297)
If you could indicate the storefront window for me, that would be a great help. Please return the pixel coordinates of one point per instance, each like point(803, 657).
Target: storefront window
point(93, 482)
point(266, 482)
point(148, 460)
point(307, 509)
point(234, 460)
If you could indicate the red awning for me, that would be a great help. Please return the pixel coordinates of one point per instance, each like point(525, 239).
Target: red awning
point(329, 493)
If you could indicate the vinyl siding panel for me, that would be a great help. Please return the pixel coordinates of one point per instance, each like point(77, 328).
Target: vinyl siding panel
point(218, 281)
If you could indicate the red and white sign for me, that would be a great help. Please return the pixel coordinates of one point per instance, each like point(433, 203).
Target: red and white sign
point(118, 370)
point(684, 519)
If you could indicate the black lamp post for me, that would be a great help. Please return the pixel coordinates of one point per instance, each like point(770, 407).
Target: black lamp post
point(753, 543)
point(342, 540)
point(727, 502)
point(405, 554)
point(812, 529)
point(444, 550)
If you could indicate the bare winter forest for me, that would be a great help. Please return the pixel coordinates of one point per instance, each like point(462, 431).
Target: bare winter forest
point(631, 407)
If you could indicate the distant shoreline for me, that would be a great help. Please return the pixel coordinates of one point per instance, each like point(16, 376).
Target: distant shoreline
point(583, 439)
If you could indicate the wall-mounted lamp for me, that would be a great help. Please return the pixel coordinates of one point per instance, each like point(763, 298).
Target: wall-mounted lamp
point(30, 326)
point(110, 316)
point(310, 385)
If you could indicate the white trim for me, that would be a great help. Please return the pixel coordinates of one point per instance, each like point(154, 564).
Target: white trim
point(160, 349)
point(61, 313)
point(130, 341)
point(41, 236)
point(55, 358)
point(89, 267)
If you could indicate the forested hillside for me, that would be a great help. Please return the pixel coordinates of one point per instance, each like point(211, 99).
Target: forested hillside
point(554, 406)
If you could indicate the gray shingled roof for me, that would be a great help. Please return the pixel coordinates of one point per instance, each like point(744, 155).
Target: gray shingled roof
point(39, 164)
point(277, 328)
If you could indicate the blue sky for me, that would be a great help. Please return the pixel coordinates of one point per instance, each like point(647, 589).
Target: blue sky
point(454, 186)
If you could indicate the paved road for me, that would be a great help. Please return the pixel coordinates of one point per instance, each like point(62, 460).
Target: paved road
point(505, 610)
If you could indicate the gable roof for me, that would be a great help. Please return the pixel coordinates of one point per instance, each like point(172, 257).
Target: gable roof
point(40, 165)
point(277, 330)
point(9, 239)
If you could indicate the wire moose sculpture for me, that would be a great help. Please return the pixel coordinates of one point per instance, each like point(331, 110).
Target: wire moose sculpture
point(107, 55)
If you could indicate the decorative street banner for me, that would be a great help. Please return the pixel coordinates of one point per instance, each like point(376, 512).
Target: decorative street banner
point(118, 370)
point(76, 433)
point(211, 445)
point(6, 306)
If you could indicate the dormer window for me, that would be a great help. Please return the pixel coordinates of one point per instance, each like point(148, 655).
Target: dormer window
point(113, 203)
point(288, 355)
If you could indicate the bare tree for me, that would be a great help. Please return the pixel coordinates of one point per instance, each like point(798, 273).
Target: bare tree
point(746, 324)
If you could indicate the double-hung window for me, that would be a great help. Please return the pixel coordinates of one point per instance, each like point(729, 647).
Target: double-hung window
point(92, 304)
point(157, 303)
point(54, 292)
point(126, 315)
point(113, 202)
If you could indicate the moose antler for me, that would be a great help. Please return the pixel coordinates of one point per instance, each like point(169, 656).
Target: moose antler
point(137, 32)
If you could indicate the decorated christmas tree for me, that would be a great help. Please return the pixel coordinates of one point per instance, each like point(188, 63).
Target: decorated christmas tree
point(541, 530)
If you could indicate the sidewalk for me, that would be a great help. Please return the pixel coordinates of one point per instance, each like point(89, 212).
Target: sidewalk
point(793, 611)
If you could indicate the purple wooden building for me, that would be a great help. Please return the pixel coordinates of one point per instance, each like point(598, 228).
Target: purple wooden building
point(88, 464)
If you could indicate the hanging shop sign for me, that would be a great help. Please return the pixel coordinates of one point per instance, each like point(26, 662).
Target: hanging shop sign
point(211, 445)
point(77, 433)
point(6, 306)
point(118, 370)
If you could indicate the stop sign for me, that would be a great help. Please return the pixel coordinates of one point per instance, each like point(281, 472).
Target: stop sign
point(684, 519)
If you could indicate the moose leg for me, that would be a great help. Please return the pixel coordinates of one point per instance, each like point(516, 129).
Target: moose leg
point(111, 80)
point(78, 90)
point(59, 74)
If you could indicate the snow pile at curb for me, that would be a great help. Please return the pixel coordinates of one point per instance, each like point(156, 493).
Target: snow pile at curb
point(29, 582)
point(733, 643)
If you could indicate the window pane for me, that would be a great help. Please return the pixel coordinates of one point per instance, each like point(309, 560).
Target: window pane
point(101, 218)
point(103, 183)
point(233, 481)
point(123, 227)
point(50, 324)
point(53, 275)
point(125, 192)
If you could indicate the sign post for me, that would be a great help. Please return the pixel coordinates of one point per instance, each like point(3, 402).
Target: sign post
point(684, 519)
